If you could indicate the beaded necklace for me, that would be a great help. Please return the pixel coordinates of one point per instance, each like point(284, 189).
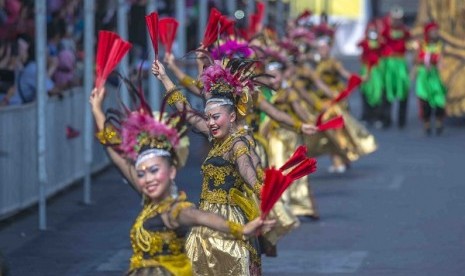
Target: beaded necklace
point(221, 148)
point(141, 236)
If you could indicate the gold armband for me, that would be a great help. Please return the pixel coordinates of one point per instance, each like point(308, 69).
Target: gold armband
point(174, 95)
point(236, 229)
point(187, 81)
point(108, 135)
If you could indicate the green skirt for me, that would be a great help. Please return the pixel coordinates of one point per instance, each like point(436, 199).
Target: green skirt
point(372, 88)
point(396, 78)
point(429, 86)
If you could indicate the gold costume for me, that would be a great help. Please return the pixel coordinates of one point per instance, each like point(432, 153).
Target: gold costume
point(282, 143)
point(449, 16)
point(158, 250)
point(354, 140)
point(327, 70)
point(232, 178)
point(320, 143)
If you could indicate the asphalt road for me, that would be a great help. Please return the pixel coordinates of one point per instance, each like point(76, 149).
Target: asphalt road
point(399, 211)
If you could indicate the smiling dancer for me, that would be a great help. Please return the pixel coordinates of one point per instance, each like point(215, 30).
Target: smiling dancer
point(145, 150)
point(232, 174)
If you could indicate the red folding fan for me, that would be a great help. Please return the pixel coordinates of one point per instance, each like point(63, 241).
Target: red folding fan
point(256, 19)
point(354, 81)
point(110, 50)
point(168, 28)
point(338, 122)
point(276, 182)
point(151, 21)
point(334, 123)
point(212, 29)
point(299, 155)
point(227, 25)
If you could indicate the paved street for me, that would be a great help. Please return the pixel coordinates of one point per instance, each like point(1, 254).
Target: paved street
point(399, 211)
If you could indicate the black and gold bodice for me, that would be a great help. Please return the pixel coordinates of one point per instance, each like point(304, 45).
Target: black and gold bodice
point(152, 241)
point(231, 174)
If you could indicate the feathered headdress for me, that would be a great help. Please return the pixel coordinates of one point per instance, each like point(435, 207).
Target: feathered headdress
point(231, 48)
point(273, 56)
point(302, 33)
point(232, 79)
point(137, 134)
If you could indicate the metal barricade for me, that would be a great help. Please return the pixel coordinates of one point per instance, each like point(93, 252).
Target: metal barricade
point(64, 156)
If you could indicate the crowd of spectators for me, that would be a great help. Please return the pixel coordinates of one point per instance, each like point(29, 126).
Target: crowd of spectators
point(18, 65)
point(65, 26)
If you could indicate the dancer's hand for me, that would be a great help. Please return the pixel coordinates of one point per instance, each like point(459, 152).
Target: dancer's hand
point(96, 98)
point(158, 70)
point(169, 60)
point(258, 226)
point(309, 129)
point(201, 60)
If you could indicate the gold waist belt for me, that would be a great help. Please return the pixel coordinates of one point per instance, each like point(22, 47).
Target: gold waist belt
point(235, 197)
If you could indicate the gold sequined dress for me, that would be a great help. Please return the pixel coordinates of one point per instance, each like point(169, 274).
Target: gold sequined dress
point(296, 201)
point(232, 177)
point(354, 140)
point(157, 249)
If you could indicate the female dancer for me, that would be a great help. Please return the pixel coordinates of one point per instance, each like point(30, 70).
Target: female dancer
point(232, 174)
point(151, 147)
point(304, 205)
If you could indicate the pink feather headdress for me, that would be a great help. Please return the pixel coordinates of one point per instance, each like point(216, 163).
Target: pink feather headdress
point(273, 53)
point(231, 48)
point(141, 131)
point(132, 132)
point(231, 78)
point(302, 33)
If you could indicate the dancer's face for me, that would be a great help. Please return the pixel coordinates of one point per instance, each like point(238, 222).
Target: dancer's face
point(276, 77)
point(324, 50)
point(154, 177)
point(219, 120)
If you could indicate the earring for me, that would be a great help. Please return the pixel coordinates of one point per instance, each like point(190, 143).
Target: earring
point(174, 189)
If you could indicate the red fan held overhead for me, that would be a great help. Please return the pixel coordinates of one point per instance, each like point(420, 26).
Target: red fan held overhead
point(168, 28)
point(110, 50)
point(256, 19)
point(212, 29)
point(276, 182)
point(151, 21)
point(227, 25)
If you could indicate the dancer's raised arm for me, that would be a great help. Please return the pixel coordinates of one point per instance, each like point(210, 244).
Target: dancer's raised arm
point(177, 99)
